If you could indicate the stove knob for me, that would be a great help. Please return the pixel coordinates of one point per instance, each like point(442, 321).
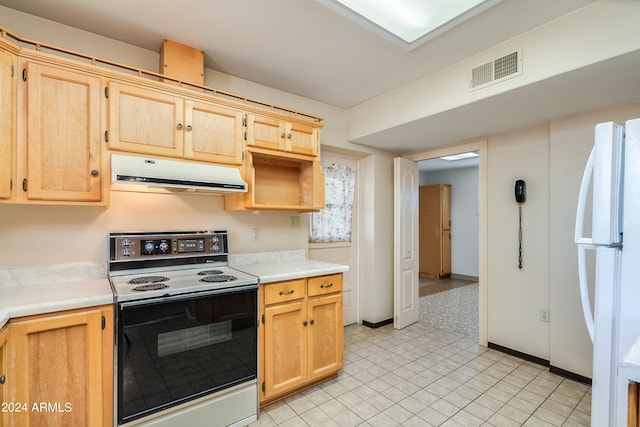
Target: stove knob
point(215, 248)
point(148, 247)
point(215, 239)
point(126, 252)
point(164, 247)
point(126, 243)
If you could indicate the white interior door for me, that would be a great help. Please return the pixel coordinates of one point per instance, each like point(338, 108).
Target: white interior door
point(405, 239)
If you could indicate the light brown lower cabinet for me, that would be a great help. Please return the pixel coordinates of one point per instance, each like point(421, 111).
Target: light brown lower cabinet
point(633, 419)
point(60, 372)
point(301, 334)
point(4, 371)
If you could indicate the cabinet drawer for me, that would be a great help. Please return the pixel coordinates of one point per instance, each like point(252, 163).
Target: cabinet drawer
point(283, 291)
point(325, 284)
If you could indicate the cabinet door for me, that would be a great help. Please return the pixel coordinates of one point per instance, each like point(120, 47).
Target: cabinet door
point(301, 139)
point(6, 379)
point(213, 133)
point(265, 132)
point(145, 121)
point(63, 135)
point(285, 347)
point(59, 365)
point(325, 335)
point(7, 120)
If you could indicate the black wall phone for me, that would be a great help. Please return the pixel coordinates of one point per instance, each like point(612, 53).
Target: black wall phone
point(521, 191)
point(521, 196)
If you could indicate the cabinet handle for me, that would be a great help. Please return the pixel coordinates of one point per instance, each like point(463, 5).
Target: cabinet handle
point(282, 135)
point(95, 173)
point(179, 126)
point(312, 321)
point(189, 128)
point(304, 323)
point(286, 292)
point(3, 379)
point(288, 136)
point(326, 285)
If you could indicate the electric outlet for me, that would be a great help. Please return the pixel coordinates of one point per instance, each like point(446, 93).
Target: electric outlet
point(256, 234)
point(544, 315)
point(295, 221)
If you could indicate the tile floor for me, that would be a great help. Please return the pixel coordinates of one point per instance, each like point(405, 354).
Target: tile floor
point(426, 376)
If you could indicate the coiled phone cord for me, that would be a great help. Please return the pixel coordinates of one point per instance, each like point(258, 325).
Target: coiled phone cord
point(520, 239)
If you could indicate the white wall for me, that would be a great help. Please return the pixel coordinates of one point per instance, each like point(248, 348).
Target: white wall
point(464, 216)
point(551, 160)
point(516, 296)
point(569, 43)
point(31, 235)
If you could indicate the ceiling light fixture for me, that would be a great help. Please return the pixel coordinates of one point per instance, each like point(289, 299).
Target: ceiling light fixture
point(460, 156)
point(409, 23)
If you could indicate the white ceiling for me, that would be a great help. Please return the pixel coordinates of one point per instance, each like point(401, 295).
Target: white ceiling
point(298, 46)
point(304, 48)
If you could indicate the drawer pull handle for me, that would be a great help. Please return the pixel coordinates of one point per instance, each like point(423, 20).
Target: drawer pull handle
point(326, 285)
point(3, 379)
point(304, 323)
point(312, 321)
point(286, 292)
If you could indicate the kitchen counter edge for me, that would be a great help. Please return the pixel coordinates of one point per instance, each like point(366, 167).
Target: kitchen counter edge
point(269, 272)
point(28, 300)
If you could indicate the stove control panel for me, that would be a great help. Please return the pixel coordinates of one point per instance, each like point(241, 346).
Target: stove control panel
point(153, 245)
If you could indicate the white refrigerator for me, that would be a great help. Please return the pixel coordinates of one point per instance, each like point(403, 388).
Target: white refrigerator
point(613, 318)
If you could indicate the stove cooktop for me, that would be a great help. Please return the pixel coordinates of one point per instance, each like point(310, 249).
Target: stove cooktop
point(164, 283)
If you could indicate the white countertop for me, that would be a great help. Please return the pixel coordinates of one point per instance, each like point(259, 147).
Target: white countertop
point(630, 366)
point(46, 289)
point(288, 270)
point(282, 265)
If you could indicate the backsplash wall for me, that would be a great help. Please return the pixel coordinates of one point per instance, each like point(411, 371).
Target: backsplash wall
point(34, 235)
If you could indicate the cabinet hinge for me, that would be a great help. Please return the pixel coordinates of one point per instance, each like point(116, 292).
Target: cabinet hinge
point(244, 122)
point(24, 74)
point(243, 156)
point(263, 387)
point(245, 135)
point(106, 136)
point(104, 322)
point(263, 319)
point(13, 71)
point(24, 184)
point(10, 184)
point(106, 92)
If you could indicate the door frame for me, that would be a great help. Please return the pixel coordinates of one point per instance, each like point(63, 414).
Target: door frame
point(481, 148)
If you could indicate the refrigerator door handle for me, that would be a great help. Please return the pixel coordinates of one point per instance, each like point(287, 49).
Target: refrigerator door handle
point(584, 288)
point(582, 203)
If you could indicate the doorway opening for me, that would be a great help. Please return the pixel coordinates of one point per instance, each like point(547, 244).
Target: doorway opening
point(449, 242)
point(482, 231)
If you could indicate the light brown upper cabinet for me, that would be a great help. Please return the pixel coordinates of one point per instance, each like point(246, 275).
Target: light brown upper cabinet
point(60, 160)
point(7, 125)
point(281, 135)
point(148, 121)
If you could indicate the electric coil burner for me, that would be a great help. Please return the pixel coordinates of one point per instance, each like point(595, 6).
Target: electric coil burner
point(186, 331)
point(209, 272)
point(147, 279)
point(218, 278)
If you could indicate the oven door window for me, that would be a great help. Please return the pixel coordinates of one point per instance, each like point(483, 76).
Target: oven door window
point(170, 352)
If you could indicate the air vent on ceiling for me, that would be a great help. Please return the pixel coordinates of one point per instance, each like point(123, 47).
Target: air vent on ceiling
point(500, 69)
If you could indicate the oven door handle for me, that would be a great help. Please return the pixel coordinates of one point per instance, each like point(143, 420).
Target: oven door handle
point(191, 295)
